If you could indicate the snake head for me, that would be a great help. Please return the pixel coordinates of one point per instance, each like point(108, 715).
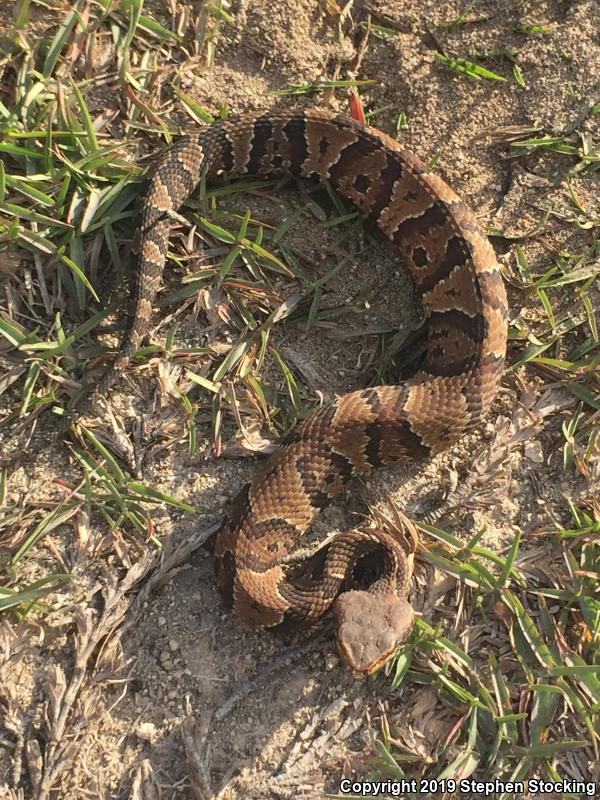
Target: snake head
point(370, 628)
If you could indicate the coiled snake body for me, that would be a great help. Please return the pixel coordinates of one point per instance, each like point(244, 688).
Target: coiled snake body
point(456, 273)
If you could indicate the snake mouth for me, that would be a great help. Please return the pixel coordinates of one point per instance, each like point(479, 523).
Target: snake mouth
point(348, 656)
point(370, 628)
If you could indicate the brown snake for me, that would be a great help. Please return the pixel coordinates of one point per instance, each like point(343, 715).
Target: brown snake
point(454, 268)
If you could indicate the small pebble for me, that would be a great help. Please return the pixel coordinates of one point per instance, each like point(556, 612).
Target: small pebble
point(331, 663)
point(173, 645)
point(533, 451)
point(162, 621)
point(146, 731)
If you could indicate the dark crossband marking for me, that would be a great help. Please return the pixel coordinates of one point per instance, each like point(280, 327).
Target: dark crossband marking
point(295, 131)
point(261, 141)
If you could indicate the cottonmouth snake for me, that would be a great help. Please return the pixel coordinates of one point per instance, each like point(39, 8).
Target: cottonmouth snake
point(454, 268)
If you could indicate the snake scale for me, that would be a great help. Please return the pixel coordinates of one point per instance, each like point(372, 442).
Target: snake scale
point(456, 273)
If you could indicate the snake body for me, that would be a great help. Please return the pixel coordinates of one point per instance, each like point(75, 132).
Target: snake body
point(454, 268)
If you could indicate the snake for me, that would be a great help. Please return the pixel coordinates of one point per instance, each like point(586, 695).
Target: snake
point(456, 273)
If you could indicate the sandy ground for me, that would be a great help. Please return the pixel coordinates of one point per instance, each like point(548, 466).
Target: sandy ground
point(294, 730)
